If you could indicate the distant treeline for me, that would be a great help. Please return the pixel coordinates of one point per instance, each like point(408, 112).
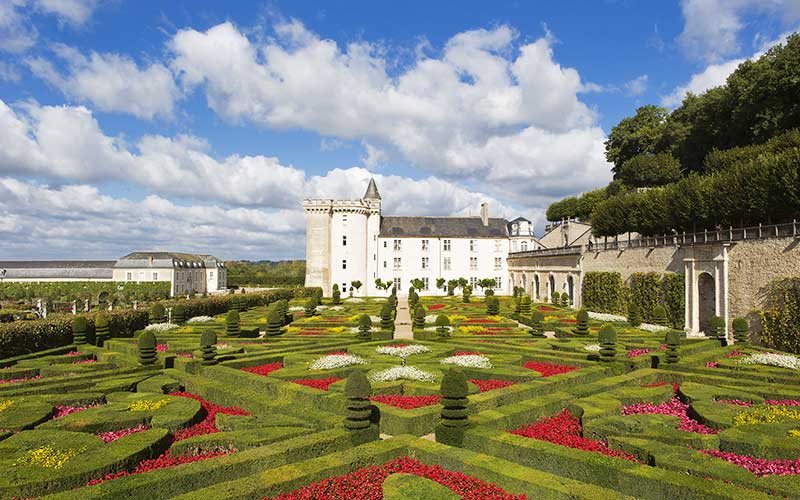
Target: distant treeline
point(266, 273)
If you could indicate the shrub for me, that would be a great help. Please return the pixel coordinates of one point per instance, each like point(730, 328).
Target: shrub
point(179, 314)
point(80, 328)
point(274, 322)
point(317, 296)
point(336, 295)
point(488, 292)
point(147, 348)
point(646, 293)
point(207, 347)
point(582, 327)
point(741, 330)
point(602, 292)
point(413, 298)
point(454, 419)
point(673, 341)
point(236, 303)
point(660, 316)
point(674, 287)
point(361, 416)
point(102, 329)
point(157, 314)
point(466, 294)
point(565, 302)
point(525, 304)
point(442, 325)
point(517, 305)
point(634, 319)
point(283, 307)
point(419, 317)
point(364, 327)
point(555, 298)
point(716, 327)
point(232, 323)
point(387, 322)
point(492, 306)
point(780, 318)
point(310, 308)
point(537, 327)
point(608, 341)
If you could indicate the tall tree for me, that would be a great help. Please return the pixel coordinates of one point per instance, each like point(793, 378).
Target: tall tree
point(635, 135)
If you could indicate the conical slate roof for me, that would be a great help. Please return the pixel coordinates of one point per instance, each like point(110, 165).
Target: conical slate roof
point(372, 191)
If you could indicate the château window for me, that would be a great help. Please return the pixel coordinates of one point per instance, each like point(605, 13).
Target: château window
point(396, 245)
point(424, 245)
point(473, 281)
point(384, 264)
point(498, 282)
point(344, 241)
point(473, 263)
point(155, 276)
point(473, 247)
point(524, 246)
point(397, 264)
point(425, 263)
point(446, 245)
point(498, 245)
point(128, 276)
point(397, 283)
point(425, 283)
point(384, 243)
point(498, 263)
point(344, 263)
point(446, 263)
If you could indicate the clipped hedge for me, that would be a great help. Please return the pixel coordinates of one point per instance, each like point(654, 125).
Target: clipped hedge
point(646, 293)
point(602, 292)
point(219, 304)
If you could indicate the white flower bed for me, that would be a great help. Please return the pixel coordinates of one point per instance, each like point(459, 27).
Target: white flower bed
point(353, 299)
point(402, 352)
point(296, 308)
point(772, 359)
point(319, 308)
point(375, 319)
point(334, 308)
point(652, 328)
point(430, 318)
point(468, 361)
point(606, 317)
point(436, 328)
point(355, 329)
point(592, 347)
point(200, 319)
point(402, 373)
point(222, 345)
point(161, 327)
point(336, 361)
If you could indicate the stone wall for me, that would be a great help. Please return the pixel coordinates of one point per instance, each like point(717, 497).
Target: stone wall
point(634, 260)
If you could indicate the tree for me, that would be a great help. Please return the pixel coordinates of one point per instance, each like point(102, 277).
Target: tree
point(419, 317)
point(417, 284)
point(360, 418)
point(443, 325)
point(382, 285)
point(232, 323)
point(582, 326)
point(673, 341)
point(102, 329)
point(608, 341)
point(451, 287)
point(310, 308)
point(364, 327)
point(466, 293)
point(647, 170)
point(336, 298)
point(487, 283)
point(537, 324)
point(208, 340)
point(454, 420)
point(635, 135)
point(387, 320)
point(157, 314)
point(355, 284)
point(741, 330)
point(80, 328)
point(147, 348)
point(441, 284)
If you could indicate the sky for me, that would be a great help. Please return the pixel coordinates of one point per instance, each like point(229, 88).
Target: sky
point(200, 126)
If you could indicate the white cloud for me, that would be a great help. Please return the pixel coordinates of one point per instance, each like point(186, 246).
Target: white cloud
point(111, 82)
point(375, 156)
point(75, 12)
point(482, 91)
point(637, 86)
point(17, 33)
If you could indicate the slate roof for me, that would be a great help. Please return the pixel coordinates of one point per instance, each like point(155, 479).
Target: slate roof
point(372, 191)
point(58, 269)
point(442, 227)
point(519, 219)
point(44, 264)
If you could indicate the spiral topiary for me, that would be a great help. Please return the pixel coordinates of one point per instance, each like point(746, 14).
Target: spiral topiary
point(673, 341)
point(555, 298)
point(364, 327)
point(336, 295)
point(517, 304)
point(80, 328)
point(413, 298)
point(179, 314)
point(310, 308)
point(233, 303)
point(443, 325)
point(147, 348)
point(741, 330)
point(102, 329)
point(285, 313)
point(634, 317)
point(716, 328)
point(537, 324)
point(608, 343)
point(360, 417)
point(492, 306)
point(317, 296)
point(207, 347)
point(525, 304)
point(232, 324)
point(660, 316)
point(582, 326)
point(565, 299)
point(454, 420)
point(419, 317)
point(274, 322)
point(158, 314)
point(387, 321)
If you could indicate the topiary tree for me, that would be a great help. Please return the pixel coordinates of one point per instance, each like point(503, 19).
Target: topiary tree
point(311, 308)
point(317, 296)
point(492, 306)
point(274, 322)
point(565, 302)
point(451, 287)
point(525, 304)
point(582, 326)
point(413, 298)
point(537, 327)
point(454, 420)
point(242, 303)
point(80, 328)
point(466, 293)
point(355, 284)
point(207, 347)
point(387, 321)
point(741, 330)
point(660, 316)
point(362, 417)
point(364, 327)
point(234, 304)
point(608, 343)
point(488, 292)
point(716, 328)
point(517, 304)
point(443, 325)
point(634, 318)
point(555, 298)
point(102, 329)
point(673, 341)
point(419, 317)
point(336, 295)
point(147, 348)
point(179, 314)
point(232, 323)
point(158, 314)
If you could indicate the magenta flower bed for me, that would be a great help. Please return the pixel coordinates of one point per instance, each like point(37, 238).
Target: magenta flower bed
point(674, 407)
point(24, 379)
point(109, 436)
point(758, 466)
point(63, 410)
point(635, 353)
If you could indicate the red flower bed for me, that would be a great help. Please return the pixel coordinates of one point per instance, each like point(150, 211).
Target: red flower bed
point(491, 384)
point(264, 369)
point(675, 385)
point(546, 308)
point(322, 384)
point(675, 408)
point(466, 353)
point(406, 402)
point(435, 307)
point(486, 332)
point(162, 461)
point(570, 321)
point(365, 484)
point(480, 320)
point(565, 430)
point(759, 466)
point(336, 353)
point(208, 425)
point(500, 328)
point(549, 369)
point(309, 334)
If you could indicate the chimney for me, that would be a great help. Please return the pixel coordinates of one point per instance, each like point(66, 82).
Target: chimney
point(485, 213)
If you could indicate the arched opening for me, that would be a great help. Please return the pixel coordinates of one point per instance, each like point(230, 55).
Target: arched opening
point(551, 286)
point(536, 287)
point(571, 289)
point(525, 282)
point(707, 304)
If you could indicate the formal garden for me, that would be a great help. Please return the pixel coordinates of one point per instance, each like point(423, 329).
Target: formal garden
point(289, 395)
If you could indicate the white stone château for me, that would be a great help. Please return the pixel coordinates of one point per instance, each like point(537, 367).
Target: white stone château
point(350, 240)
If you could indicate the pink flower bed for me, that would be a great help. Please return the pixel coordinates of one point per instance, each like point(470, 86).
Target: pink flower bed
point(406, 402)
point(63, 410)
point(163, 461)
point(675, 385)
point(674, 407)
point(264, 369)
point(161, 347)
point(635, 353)
point(712, 364)
point(737, 402)
point(185, 355)
point(72, 353)
point(322, 384)
point(546, 308)
point(782, 402)
point(84, 362)
point(480, 320)
point(549, 369)
point(109, 436)
point(491, 384)
point(23, 379)
point(758, 466)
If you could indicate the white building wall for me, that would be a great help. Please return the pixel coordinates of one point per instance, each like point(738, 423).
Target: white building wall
point(349, 260)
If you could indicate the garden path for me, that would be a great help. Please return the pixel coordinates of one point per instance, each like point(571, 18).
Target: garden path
point(402, 323)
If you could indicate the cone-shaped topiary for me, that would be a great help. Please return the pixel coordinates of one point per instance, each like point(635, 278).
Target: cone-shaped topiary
point(387, 321)
point(443, 325)
point(741, 330)
point(287, 315)
point(419, 317)
point(80, 328)
point(364, 327)
point(232, 323)
point(492, 306)
point(466, 293)
point(157, 314)
point(234, 304)
point(362, 417)
point(555, 298)
point(582, 325)
point(660, 316)
point(455, 420)
point(525, 304)
point(147, 348)
point(242, 303)
point(634, 317)
point(102, 330)
point(336, 295)
point(311, 308)
point(537, 327)
point(608, 343)
point(317, 296)
point(716, 328)
point(565, 299)
point(207, 347)
point(673, 341)
point(179, 314)
point(274, 321)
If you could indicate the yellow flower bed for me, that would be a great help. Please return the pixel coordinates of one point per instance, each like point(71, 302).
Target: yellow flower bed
point(338, 329)
point(47, 456)
point(471, 329)
point(147, 405)
point(5, 404)
point(292, 329)
point(794, 433)
point(455, 318)
point(353, 317)
point(768, 415)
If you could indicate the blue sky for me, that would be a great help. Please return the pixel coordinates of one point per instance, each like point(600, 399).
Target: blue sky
point(200, 126)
